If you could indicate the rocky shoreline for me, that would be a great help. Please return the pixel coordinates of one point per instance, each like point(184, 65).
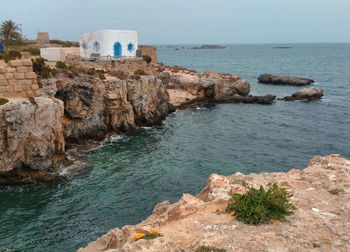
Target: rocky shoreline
point(321, 194)
point(41, 137)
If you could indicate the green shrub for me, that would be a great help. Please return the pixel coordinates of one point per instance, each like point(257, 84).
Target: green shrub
point(61, 65)
point(336, 191)
point(209, 249)
point(41, 69)
point(11, 55)
point(64, 43)
point(74, 69)
point(100, 71)
point(258, 206)
point(139, 72)
point(3, 101)
point(32, 50)
point(147, 59)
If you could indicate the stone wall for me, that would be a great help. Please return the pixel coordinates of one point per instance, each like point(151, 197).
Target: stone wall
point(150, 51)
point(17, 79)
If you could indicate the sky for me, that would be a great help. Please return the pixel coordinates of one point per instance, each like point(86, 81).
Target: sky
point(187, 21)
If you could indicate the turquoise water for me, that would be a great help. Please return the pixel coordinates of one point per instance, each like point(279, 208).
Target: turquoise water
point(134, 171)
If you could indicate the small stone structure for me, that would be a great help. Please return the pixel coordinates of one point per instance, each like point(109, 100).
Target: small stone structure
point(43, 37)
point(149, 51)
point(59, 53)
point(17, 79)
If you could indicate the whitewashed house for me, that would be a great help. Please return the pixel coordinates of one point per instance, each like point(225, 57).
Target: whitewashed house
point(109, 43)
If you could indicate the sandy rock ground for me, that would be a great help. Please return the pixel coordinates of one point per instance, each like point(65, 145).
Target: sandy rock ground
point(321, 221)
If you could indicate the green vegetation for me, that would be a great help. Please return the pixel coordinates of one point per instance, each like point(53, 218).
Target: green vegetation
point(10, 31)
point(336, 191)
point(11, 55)
point(209, 249)
point(3, 101)
point(64, 43)
point(32, 50)
point(41, 69)
point(139, 72)
point(61, 65)
point(147, 59)
point(258, 206)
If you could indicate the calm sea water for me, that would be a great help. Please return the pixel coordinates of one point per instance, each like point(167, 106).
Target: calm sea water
point(133, 172)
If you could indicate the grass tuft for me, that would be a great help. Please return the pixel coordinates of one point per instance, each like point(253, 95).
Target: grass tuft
point(336, 191)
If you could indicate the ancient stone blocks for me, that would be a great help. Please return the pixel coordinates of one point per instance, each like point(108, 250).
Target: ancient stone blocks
point(17, 79)
point(16, 63)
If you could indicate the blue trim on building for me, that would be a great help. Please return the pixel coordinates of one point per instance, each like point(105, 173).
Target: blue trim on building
point(117, 49)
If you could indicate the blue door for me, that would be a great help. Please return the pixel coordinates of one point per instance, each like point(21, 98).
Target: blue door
point(117, 49)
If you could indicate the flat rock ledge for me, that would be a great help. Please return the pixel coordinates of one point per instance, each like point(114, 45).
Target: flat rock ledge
point(319, 223)
point(307, 94)
point(284, 80)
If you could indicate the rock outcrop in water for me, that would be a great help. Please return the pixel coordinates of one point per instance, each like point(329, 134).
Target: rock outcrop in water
point(307, 94)
point(187, 88)
point(319, 222)
point(284, 80)
point(31, 138)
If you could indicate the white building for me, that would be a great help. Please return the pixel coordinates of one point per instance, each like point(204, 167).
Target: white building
point(109, 43)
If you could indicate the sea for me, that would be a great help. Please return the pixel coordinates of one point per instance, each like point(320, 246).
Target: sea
point(132, 172)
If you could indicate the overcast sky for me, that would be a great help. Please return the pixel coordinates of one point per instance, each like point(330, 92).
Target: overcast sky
point(187, 21)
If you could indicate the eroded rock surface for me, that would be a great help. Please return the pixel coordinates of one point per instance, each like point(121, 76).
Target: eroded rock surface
point(307, 94)
point(188, 88)
point(284, 80)
point(31, 137)
point(93, 110)
point(319, 223)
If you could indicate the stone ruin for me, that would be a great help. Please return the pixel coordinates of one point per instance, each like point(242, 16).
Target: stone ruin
point(17, 79)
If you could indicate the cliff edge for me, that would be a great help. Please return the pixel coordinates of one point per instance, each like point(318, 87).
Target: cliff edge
point(319, 223)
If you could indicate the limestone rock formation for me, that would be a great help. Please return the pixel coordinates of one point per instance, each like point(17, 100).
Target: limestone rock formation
point(319, 222)
point(31, 137)
point(308, 94)
point(93, 110)
point(284, 80)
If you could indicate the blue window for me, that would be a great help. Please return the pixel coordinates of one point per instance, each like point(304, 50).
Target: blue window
point(131, 47)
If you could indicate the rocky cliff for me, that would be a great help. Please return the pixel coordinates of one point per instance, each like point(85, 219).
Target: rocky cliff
point(31, 138)
point(319, 223)
point(95, 109)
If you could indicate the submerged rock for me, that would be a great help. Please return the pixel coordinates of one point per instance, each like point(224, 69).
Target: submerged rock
point(284, 80)
point(319, 222)
point(264, 99)
point(308, 94)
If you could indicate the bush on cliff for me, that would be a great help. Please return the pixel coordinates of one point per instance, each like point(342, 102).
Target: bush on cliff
point(32, 50)
point(139, 72)
point(11, 55)
point(41, 69)
point(147, 59)
point(61, 65)
point(3, 101)
point(258, 206)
